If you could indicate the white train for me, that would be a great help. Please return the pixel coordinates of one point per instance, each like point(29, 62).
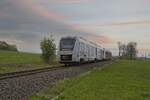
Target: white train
point(79, 50)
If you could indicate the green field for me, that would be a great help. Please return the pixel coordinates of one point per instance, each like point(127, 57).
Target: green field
point(122, 80)
point(17, 61)
point(9, 57)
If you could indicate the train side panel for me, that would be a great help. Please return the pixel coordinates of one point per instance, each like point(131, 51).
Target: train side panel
point(86, 51)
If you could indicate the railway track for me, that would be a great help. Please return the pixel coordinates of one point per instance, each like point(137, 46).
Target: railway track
point(36, 71)
point(28, 72)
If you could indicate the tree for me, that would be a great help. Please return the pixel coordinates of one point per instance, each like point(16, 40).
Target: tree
point(119, 46)
point(131, 50)
point(48, 48)
point(122, 49)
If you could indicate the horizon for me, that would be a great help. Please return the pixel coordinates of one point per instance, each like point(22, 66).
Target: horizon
point(26, 22)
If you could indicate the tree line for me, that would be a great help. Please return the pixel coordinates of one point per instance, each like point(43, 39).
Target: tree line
point(128, 50)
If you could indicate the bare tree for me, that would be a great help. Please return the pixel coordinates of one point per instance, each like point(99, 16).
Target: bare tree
point(122, 49)
point(132, 50)
point(119, 46)
point(128, 50)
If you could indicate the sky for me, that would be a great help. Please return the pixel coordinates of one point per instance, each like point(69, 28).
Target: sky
point(26, 22)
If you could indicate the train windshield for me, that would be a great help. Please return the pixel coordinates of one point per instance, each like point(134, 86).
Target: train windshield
point(67, 44)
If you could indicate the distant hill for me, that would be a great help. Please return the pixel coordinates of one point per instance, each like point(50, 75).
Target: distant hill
point(8, 47)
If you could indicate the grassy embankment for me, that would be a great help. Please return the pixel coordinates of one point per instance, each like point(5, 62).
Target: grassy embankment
point(122, 80)
point(17, 61)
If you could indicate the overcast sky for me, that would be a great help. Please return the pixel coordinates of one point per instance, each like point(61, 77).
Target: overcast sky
point(26, 22)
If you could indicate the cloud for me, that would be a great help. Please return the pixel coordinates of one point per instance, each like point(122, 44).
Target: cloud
point(39, 10)
point(128, 23)
point(100, 39)
point(25, 23)
point(68, 1)
point(25, 15)
point(28, 16)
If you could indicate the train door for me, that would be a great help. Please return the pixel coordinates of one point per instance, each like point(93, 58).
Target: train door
point(78, 54)
point(104, 56)
point(89, 53)
point(96, 52)
point(84, 52)
point(81, 51)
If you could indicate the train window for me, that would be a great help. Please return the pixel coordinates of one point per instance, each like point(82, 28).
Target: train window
point(86, 48)
point(89, 50)
point(67, 43)
point(81, 47)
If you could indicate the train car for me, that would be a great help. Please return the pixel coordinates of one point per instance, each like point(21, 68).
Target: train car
point(79, 50)
point(100, 53)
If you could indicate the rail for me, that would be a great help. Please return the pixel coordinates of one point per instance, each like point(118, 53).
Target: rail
point(28, 72)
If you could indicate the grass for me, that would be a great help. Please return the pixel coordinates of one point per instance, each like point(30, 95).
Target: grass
point(122, 80)
point(18, 61)
point(9, 57)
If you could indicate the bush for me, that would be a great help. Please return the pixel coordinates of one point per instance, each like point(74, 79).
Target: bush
point(48, 48)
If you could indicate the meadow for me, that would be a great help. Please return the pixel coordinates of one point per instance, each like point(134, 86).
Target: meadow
point(17, 61)
point(122, 80)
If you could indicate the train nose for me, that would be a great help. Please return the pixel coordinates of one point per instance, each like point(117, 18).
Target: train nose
point(66, 52)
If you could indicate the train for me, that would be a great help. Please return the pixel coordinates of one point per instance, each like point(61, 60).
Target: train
point(79, 50)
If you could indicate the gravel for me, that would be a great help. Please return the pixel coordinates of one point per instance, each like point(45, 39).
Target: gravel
point(20, 88)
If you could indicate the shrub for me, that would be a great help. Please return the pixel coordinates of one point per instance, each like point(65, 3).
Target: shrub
point(48, 48)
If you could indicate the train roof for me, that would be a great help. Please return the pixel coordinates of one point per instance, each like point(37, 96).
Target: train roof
point(75, 37)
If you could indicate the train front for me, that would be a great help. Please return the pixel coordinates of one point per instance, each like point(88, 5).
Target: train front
point(66, 50)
